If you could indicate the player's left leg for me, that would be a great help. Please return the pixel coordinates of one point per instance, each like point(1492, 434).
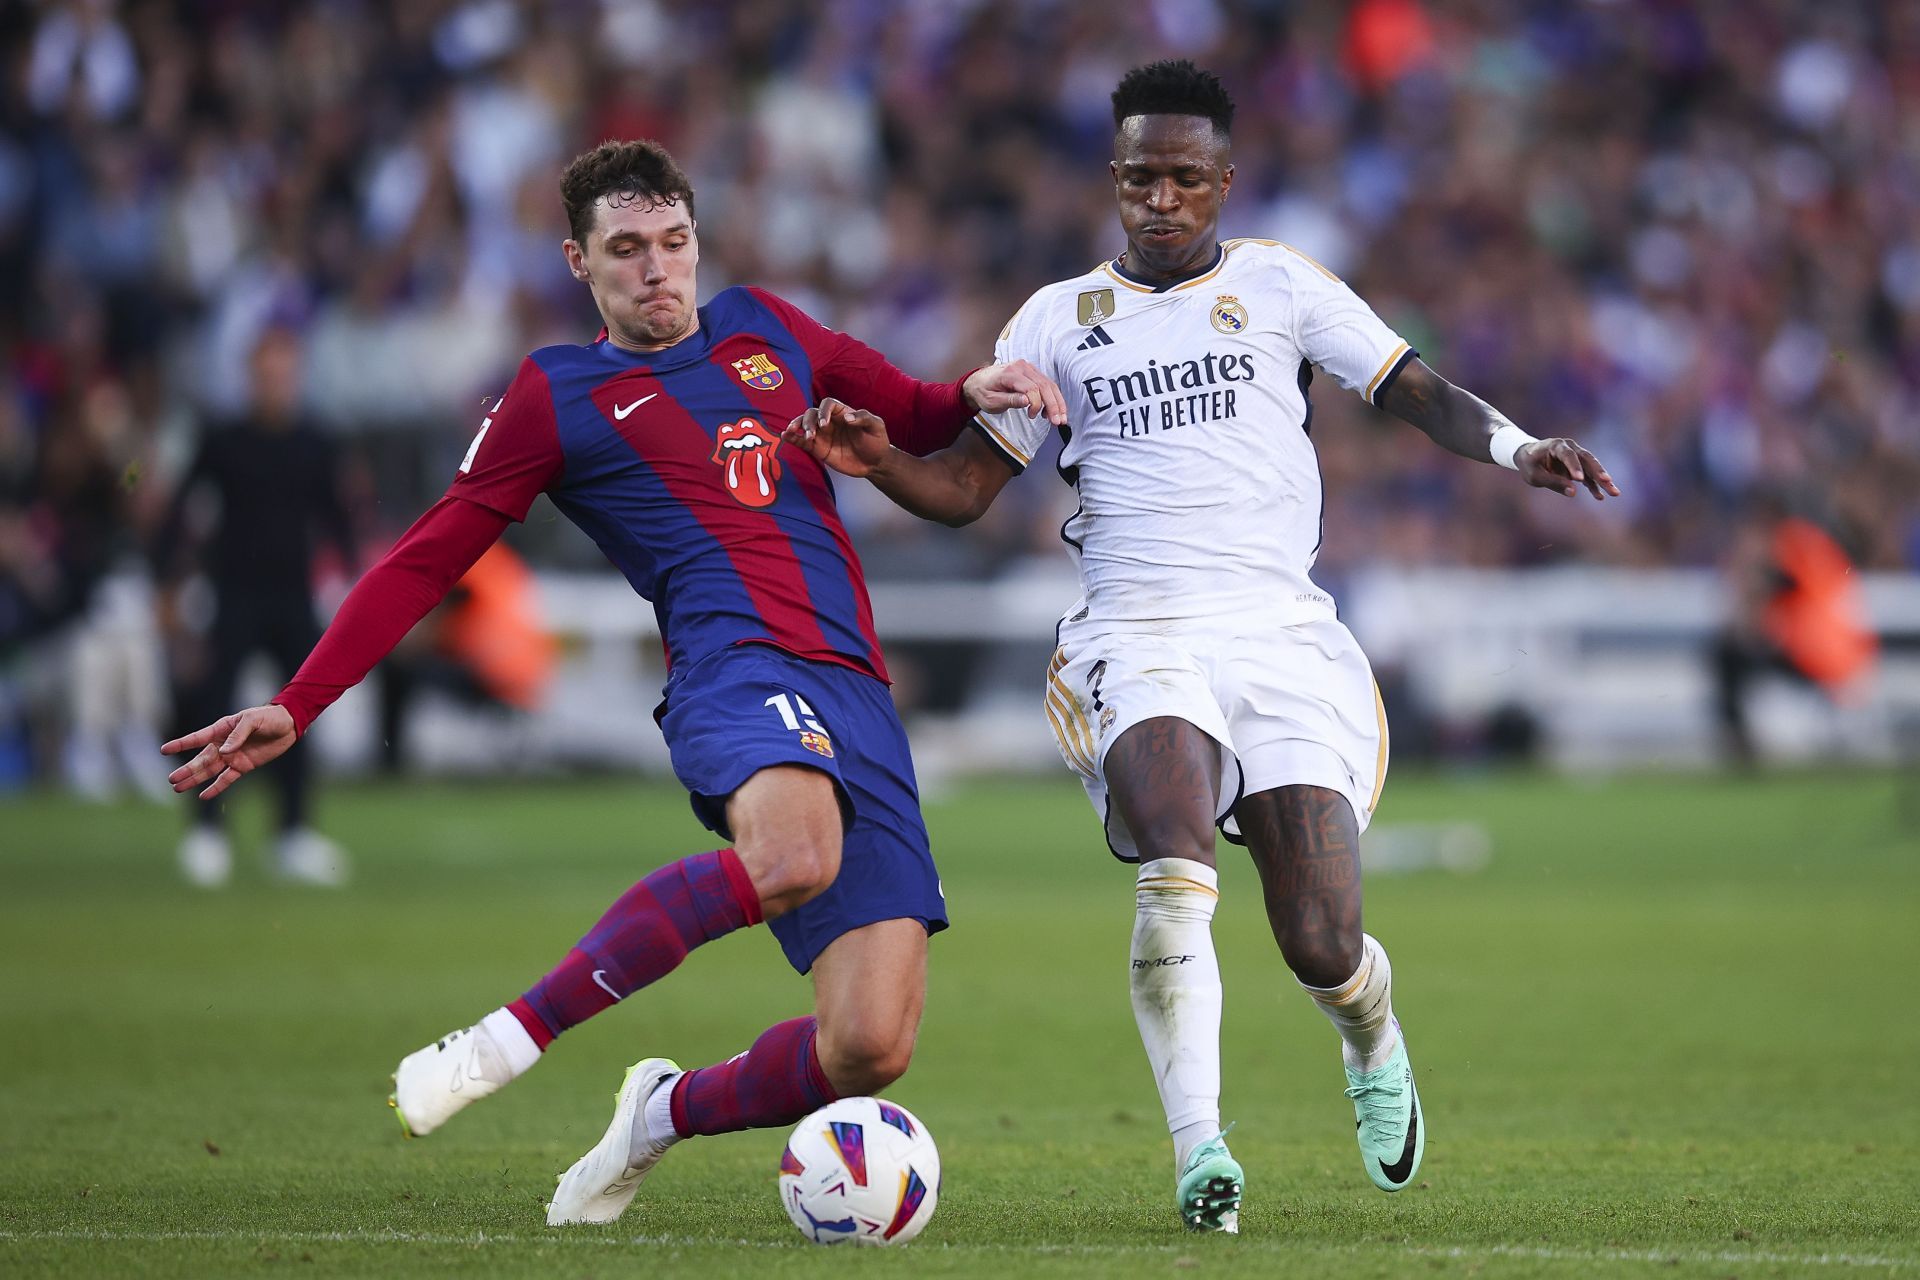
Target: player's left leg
point(1311, 736)
point(1305, 840)
point(300, 853)
point(869, 985)
point(863, 937)
point(869, 989)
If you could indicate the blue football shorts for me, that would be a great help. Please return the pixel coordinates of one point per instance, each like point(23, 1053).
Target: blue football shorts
point(751, 707)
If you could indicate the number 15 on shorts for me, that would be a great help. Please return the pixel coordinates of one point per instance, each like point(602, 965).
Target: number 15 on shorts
point(813, 734)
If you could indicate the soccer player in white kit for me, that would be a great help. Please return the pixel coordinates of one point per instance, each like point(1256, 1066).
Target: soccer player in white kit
point(1204, 678)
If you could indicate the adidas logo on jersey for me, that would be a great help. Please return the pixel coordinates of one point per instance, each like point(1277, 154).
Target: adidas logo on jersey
point(1098, 338)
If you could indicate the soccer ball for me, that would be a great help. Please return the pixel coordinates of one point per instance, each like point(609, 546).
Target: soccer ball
point(860, 1171)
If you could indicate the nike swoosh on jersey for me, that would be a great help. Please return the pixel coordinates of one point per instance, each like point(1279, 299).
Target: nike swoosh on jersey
point(620, 412)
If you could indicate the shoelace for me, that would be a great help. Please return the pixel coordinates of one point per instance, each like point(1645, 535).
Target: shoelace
point(1374, 1096)
point(1206, 1148)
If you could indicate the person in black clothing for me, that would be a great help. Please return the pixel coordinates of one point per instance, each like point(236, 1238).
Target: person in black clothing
point(277, 487)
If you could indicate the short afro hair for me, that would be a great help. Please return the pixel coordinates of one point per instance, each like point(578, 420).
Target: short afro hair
point(626, 173)
point(1173, 88)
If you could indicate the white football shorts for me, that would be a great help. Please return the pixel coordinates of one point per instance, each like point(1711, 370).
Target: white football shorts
point(1290, 706)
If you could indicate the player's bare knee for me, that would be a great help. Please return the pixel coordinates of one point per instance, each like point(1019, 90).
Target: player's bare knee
point(1324, 960)
point(789, 870)
point(1173, 836)
point(787, 825)
point(865, 1060)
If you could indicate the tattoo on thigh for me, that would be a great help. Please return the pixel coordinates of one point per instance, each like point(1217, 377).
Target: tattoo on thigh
point(1157, 758)
point(1306, 844)
point(1164, 775)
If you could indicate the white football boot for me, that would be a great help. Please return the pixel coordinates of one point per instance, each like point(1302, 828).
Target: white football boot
point(206, 857)
point(601, 1183)
point(304, 856)
point(454, 1071)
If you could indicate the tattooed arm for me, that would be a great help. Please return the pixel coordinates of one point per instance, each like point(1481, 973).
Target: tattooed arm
point(1463, 423)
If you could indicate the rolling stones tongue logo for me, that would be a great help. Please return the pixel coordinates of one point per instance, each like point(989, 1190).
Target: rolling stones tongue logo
point(745, 451)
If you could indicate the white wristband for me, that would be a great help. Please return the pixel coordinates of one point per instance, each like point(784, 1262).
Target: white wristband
point(1505, 442)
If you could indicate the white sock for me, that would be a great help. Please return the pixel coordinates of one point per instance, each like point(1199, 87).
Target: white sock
point(1361, 1009)
point(1189, 1136)
point(1175, 979)
point(653, 1123)
point(516, 1046)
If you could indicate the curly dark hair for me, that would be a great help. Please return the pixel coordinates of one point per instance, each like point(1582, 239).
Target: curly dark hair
point(1173, 88)
point(630, 171)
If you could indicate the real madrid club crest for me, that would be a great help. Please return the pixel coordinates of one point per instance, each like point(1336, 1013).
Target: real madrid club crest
point(1228, 315)
point(760, 372)
point(1096, 306)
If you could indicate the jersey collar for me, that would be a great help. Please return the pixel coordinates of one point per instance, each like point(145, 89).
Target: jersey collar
point(1118, 267)
point(685, 352)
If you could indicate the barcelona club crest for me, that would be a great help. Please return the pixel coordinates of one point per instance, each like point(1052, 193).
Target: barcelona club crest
point(759, 371)
point(1228, 315)
point(817, 743)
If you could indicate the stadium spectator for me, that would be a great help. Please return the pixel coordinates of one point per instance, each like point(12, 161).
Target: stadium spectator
point(275, 486)
point(1797, 612)
point(1688, 227)
point(485, 645)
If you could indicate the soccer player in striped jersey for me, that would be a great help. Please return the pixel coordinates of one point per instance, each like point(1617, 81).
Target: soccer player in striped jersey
point(1204, 677)
point(655, 440)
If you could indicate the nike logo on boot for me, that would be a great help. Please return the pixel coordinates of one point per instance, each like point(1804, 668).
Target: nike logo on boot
point(1401, 1169)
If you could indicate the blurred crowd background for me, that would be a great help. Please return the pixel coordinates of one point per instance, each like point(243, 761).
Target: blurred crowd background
point(1686, 233)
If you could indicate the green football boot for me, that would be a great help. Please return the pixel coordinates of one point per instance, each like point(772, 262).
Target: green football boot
point(1209, 1198)
point(1386, 1115)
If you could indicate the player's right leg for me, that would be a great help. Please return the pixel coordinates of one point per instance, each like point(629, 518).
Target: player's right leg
point(1163, 776)
point(1136, 719)
point(640, 939)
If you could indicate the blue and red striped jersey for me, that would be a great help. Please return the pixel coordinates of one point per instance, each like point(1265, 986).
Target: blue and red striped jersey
point(672, 462)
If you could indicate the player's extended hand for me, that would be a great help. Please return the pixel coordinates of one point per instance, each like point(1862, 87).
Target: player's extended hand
point(851, 441)
point(1562, 465)
point(1016, 385)
point(231, 747)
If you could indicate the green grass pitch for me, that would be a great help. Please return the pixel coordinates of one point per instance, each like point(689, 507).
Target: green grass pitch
point(1670, 1030)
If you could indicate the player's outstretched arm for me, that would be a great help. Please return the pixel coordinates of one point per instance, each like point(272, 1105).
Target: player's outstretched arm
point(926, 416)
point(954, 486)
point(1462, 422)
point(396, 592)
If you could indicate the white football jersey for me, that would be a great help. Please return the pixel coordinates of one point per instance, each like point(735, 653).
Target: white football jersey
point(1187, 428)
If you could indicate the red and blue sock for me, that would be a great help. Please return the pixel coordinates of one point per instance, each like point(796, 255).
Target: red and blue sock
point(643, 937)
point(776, 1082)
